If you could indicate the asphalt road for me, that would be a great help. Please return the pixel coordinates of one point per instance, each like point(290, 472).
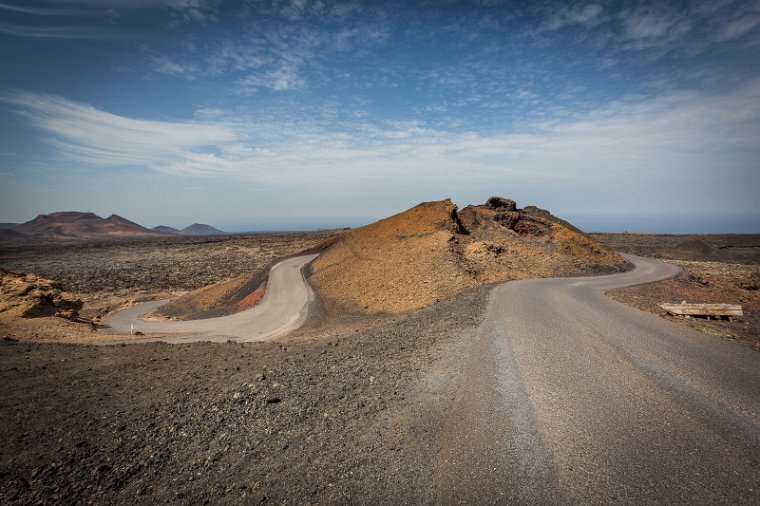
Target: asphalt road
point(283, 308)
point(568, 397)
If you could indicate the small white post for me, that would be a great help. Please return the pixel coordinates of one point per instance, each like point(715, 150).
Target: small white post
point(131, 329)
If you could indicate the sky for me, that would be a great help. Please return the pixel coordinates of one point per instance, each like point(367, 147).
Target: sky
point(303, 114)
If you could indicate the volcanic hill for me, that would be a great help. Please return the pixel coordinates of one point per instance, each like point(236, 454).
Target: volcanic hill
point(76, 225)
point(166, 230)
point(200, 229)
point(194, 229)
point(432, 252)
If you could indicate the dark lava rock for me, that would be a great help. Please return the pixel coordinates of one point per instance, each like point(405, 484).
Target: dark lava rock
point(501, 204)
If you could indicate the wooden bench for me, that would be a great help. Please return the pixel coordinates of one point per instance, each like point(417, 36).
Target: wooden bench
point(706, 310)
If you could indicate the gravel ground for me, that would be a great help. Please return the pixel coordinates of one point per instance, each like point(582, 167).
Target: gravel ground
point(158, 264)
point(351, 418)
point(716, 269)
point(705, 282)
point(727, 248)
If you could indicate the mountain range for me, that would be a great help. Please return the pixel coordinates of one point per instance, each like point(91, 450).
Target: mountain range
point(73, 225)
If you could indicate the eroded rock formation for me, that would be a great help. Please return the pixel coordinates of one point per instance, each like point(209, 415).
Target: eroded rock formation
point(29, 296)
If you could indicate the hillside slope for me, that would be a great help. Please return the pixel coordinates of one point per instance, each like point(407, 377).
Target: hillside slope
point(432, 252)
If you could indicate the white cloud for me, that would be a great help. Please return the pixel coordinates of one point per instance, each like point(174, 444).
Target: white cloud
point(86, 135)
point(167, 66)
point(646, 24)
point(682, 142)
point(202, 5)
point(657, 29)
point(737, 28)
point(284, 78)
point(271, 58)
point(45, 10)
point(55, 32)
point(86, 12)
point(577, 14)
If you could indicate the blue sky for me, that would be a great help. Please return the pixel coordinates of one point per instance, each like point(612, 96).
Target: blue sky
point(641, 116)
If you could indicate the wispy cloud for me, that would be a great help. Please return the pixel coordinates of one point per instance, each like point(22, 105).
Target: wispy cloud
point(738, 27)
point(86, 135)
point(46, 10)
point(89, 19)
point(56, 32)
point(276, 59)
point(193, 11)
point(167, 66)
point(614, 152)
point(647, 28)
point(180, 5)
point(296, 10)
point(282, 78)
point(655, 29)
point(580, 14)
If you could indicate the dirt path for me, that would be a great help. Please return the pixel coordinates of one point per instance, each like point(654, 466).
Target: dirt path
point(282, 309)
point(568, 397)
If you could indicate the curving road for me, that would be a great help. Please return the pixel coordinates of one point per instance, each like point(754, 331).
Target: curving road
point(282, 309)
point(568, 397)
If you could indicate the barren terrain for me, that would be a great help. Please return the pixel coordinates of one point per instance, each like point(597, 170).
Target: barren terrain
point(349, 419)
point(729, 248)
point(716, 268)
point(105, 274)
point(348, 409)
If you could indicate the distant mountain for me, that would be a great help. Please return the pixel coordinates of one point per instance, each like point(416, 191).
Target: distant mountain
point(166, 230)
point(77, 225)
point(194, 229)
point(201, 229)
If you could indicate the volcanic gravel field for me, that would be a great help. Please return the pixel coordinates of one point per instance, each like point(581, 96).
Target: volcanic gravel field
point(352, 418)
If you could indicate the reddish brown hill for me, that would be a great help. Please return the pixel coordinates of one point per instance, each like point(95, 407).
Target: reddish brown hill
point(77, 225)
point(432, 252)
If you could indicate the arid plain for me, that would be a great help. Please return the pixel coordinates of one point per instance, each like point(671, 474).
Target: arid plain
point(348, 408)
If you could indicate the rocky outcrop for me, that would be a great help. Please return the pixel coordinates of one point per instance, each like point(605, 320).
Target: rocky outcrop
point(501, 204)
point(29, 296)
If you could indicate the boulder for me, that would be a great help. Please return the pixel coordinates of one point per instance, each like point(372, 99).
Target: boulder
point(501, 204)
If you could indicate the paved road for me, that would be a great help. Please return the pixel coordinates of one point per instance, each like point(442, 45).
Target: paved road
point(568, 397)
point(282, 309)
